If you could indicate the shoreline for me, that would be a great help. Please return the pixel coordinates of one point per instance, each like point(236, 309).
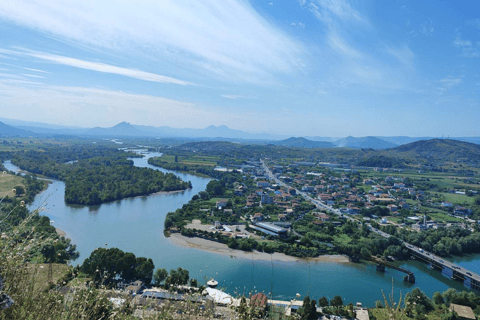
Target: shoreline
point(60, 232)
point(223, 249)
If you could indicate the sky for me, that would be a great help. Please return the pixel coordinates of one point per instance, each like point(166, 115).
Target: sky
point(301, 67)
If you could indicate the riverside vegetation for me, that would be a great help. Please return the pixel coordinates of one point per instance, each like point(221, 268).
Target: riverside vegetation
point(94, 175)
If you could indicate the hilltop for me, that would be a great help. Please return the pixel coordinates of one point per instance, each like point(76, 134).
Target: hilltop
point(303, 143)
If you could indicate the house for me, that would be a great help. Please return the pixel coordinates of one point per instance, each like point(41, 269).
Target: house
point(322, 216)
point(354, 210)
point(228, 211)
point(258, 216)
point(221, 203)
point(392, 208)
point(259, 301)
point(282, 217)
point(446, 204)
point(367, 182)
point(239, 191)
point(404, 205)
point(308, 189)
point(462, 211)
point(463, 312)
point(263, 184)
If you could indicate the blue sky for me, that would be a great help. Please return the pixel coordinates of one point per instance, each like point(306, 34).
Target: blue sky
point(302, 68)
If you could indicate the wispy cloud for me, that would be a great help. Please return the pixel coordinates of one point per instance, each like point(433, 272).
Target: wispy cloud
point(36, 70)
point(469, 50)
point(96, 66)
point(451, 82)
point(32, 75)
point(236, 96)
point(228, 38)
point(402, 54)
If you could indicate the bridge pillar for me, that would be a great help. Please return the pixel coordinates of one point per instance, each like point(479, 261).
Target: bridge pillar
point(380, 267)
point(409, 278)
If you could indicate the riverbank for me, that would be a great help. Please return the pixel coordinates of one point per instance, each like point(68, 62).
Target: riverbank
point(223, 249)
point(60, 232)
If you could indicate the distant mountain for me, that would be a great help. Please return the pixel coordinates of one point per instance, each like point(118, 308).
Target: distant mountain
point(123, 129)
point(208, 132)
point(440, 149)
point(303, 143)
point(9, 131)
point(364, 143)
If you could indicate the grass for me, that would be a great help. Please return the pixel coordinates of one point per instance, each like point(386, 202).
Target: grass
point(456, 198)
point(342, 239)
point(40, 273)
point(8, 182)
point(444, 217)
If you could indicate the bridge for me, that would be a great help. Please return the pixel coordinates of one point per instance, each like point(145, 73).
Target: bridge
point(469, 278)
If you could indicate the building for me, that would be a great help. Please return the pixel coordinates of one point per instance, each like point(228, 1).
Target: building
point(271, 229)
point(263, 184)
point(266, 199)
point(221, 203)
point(463, 312)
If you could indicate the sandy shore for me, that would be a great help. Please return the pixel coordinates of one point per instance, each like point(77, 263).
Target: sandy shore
point(60, 232)
point(220, 248)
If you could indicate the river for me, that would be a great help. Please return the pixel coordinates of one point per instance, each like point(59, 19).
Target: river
point(136, 225)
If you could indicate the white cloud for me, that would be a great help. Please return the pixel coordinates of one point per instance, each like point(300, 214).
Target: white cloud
point(36, 70)
point(236, 96)
point(403, 55)
point(96, 66)
point(467, 47)
point(226, 37)
point(32, 75)
point(451, 82)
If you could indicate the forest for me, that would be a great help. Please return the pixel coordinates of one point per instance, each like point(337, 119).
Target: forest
point(94, 175)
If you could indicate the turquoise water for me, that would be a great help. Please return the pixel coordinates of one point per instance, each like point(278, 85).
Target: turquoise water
point(136, 225)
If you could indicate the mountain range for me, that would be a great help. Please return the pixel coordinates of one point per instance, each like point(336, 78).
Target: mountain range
point(18, 128)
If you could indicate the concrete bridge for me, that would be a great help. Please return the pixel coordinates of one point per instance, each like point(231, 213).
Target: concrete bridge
point(469, 278)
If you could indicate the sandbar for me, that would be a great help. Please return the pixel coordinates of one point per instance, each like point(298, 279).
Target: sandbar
point(223, 249)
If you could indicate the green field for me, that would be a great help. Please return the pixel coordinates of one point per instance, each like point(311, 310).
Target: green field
point(455, 198)
point(7, 183)
point(200, 160)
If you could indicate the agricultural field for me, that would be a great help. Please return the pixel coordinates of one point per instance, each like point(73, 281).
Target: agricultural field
point(456, 199)
point(7, 183)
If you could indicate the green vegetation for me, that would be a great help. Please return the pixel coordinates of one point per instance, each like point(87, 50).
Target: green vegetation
point(100, 174)
point(109, 264)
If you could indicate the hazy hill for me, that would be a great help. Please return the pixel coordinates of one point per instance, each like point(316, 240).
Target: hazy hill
point(9, 131)
point(364, 143)
point(123, 129)
point(303, 143)
point(439, 151)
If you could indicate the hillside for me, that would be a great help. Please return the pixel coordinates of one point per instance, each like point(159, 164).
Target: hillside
point(303, 143)
point(364, 143)
point(8, 131)
point(440, 151)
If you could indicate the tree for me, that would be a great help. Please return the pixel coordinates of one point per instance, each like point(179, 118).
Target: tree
point(437, 298)
point(309, 311)
point(19, 190)
point(160, 275)
point(323, 302)
point(336, 301)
